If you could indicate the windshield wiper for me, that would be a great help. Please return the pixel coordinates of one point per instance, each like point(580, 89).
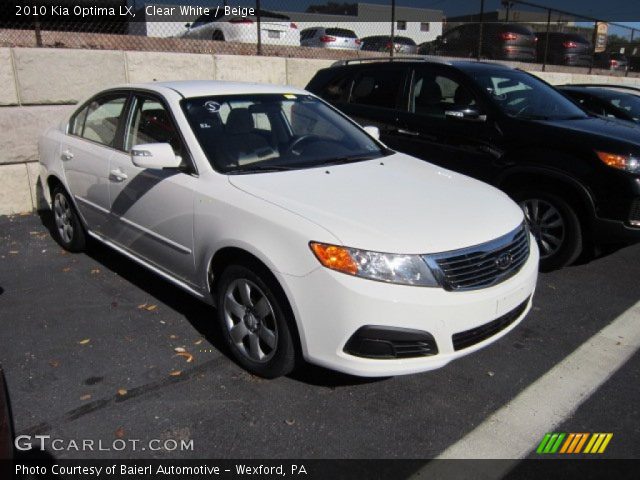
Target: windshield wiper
point(263, 168)
point(348, 159)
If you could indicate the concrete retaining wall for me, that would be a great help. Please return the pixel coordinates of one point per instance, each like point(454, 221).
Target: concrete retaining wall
point(40, 85)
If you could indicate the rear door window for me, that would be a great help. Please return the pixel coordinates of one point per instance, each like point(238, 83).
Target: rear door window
point(378, 88)
point(100, 119)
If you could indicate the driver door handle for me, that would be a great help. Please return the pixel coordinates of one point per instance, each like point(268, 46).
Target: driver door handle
point(118, 175)
point(408, 132)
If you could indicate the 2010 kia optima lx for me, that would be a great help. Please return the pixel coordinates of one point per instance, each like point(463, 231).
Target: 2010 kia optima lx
point(311, 237)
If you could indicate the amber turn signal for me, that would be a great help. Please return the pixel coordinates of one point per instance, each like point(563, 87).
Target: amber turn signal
point(334, 257)
point(613, 160)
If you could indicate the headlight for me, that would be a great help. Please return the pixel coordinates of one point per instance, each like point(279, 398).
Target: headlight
point(628, 163)
point(384, 267)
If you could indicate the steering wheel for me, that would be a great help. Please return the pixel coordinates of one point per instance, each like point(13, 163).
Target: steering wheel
point(298, 142)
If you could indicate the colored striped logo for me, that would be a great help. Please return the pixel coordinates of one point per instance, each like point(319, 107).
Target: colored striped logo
point(574, 443)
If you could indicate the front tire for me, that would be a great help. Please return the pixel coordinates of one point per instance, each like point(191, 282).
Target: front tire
point(255, 322)
point(555, 225)
point(68, 229)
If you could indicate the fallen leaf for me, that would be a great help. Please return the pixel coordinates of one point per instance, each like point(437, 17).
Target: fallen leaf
point(114, 304)
point(54, 363)
point(66, 269)
point(34, 233)
point(197, 342)
point(147, 307)
point(173, 337)
point(13, 252)
point(180, 349)
point(289, 422)
point(120, 432)
point(85, 397)
point(175, 373)
point(85, 341)
point(95, 271)
point(490, 373)
point(122, 392)
point(185, 355)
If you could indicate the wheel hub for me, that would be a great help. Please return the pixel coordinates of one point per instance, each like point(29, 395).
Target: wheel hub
point(251, 322)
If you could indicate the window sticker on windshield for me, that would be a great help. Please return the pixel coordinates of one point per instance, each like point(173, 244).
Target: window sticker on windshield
point(212, 107)
point(290, 96)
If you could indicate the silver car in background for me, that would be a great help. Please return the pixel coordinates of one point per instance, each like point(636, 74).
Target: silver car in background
point(337, 38)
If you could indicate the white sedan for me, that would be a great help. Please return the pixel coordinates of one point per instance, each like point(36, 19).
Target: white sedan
point(275, 28)
point(312, 238)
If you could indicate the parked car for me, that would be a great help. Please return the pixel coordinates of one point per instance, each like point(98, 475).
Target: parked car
point(383, 43)
point(577, 177)
point(611, 61)
point(500, 41)
point(564, 49)
point(309, 235)
point(275, 28)
point(614, 102)
point(6, 425)
point(338, 38)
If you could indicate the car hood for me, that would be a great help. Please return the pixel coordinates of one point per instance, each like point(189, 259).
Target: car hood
point(608, 129)
point(395, 204)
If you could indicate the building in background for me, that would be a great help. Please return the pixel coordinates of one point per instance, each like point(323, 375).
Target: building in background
point(365, 19)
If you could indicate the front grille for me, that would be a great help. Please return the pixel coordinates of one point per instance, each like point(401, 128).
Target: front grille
point(634, 213)
point(478, 334)
point(483, 265)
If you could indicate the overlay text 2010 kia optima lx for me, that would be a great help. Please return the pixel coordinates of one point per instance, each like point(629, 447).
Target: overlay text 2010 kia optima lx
point(312, 238)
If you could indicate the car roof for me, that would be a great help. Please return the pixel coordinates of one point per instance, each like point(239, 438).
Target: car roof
point(464, 65)
point(203, 88)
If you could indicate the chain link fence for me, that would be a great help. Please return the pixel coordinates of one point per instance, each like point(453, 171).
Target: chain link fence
point(503, 30)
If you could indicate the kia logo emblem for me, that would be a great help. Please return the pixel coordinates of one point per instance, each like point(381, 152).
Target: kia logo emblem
point(504, 261)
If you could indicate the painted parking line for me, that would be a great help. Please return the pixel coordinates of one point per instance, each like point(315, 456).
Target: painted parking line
point(516, 429)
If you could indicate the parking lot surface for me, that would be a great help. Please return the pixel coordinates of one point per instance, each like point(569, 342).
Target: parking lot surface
point(89, 344)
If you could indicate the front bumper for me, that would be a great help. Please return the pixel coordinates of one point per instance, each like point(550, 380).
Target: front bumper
point(331, 307)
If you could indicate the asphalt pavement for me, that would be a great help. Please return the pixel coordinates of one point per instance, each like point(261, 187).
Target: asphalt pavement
point(88, 345)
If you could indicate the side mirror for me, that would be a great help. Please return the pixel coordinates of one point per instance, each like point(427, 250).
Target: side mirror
point(470, 114)
point(373, 131)
point(155, 155)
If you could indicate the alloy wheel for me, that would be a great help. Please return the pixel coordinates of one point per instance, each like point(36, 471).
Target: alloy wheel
point(546, 224)
point(63, 214)
point(250, 320)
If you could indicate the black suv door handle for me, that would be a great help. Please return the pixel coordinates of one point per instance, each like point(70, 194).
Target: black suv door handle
point(408, 132)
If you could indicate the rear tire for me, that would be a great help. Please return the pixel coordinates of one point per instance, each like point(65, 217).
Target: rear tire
point(68, 228)
point(255, 320)
point(555, 225)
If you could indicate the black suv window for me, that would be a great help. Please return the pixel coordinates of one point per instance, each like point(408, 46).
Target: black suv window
point(378, 88)
point(435, 93)
point(337, 90)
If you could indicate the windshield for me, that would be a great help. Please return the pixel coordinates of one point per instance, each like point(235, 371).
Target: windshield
point(624, 101)
point(523, 96)
point(271, 132)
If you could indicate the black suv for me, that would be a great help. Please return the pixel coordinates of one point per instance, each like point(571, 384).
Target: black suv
point(500, 41)
point(576, 176)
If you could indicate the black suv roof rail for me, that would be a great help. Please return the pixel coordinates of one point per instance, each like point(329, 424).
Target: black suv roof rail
point(601, 85)
point(422, 58)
